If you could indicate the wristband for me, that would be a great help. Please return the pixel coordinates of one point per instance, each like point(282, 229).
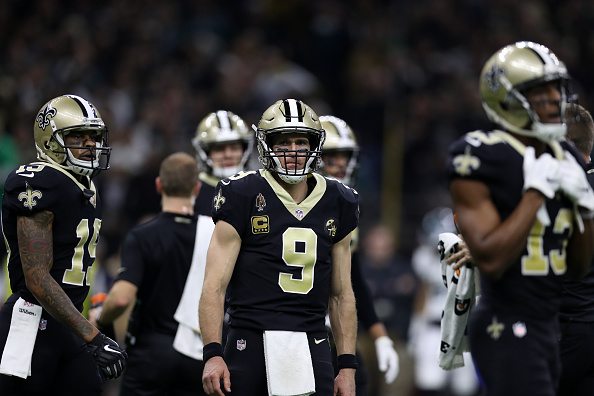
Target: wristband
point(346, 361)
point(211, 350)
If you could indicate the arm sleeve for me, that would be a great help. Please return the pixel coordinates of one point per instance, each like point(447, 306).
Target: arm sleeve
point(364, 302)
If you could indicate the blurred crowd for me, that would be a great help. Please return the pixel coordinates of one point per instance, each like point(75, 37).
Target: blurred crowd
point(403, 74)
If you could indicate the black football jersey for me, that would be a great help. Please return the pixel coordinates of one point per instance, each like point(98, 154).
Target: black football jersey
point(203, 203)
point(281, 279)
point(577, 302)
point(532, 286)
point(41, 186)
point(156, 257)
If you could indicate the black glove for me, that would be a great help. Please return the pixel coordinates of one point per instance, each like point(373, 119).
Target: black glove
point(110, 358)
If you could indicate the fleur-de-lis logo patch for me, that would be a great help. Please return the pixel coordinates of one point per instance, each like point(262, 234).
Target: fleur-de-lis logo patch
point(44, 115)
point(495, 329)
point(219, 200)
point(466, 163)
point(28, 196)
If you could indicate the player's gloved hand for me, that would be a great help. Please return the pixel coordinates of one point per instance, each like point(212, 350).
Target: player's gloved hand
point(542, 173)
point(387, 358)
point(110, 358)
point(575, 185)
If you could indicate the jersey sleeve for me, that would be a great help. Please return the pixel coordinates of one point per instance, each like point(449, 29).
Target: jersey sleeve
point(229, 204)
point(365, 308)
point(349, 199)
point(28, 192)
point(484, 156)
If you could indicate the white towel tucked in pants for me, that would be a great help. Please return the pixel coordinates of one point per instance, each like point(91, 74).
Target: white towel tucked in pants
point(289, 370)
point(18, 351)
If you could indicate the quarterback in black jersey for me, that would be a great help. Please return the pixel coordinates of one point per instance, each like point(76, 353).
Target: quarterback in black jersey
point(51, 216)
point(339, 160)
point(223, 146)
point(157, 258)
point(524, 207)
point(282, 245)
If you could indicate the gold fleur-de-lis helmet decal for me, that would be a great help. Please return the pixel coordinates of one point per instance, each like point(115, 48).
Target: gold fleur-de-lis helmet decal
point(219, 200)
point(29, 196)
point(465, 163)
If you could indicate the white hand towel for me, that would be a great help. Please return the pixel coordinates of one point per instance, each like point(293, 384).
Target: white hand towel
point(459, 301)
point(289, 370)
point(16, 358)
point(187, 339)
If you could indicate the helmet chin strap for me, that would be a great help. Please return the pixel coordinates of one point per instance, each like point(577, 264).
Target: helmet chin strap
point(284, 176)
point(291, 179)
point(539, 130)
point(78, 166)
point(225, 172)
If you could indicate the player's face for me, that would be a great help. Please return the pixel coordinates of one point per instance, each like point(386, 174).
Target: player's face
point(296, 146)
point(226, 154)
point(335, 164)
point(87, 141)
point(544, 100)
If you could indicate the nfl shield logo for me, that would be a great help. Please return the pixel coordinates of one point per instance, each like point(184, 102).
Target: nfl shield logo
point(299, 214)
point(519, 329)
point(42, 324)
point(240, 345)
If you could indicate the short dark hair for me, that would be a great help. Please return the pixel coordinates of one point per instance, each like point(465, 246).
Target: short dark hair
point(179, 174)
point(580, 128)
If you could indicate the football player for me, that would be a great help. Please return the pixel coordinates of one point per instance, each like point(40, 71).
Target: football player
point(223, 146)
point(339, 160)
point(157, 258)
point(282, 245)
point(51, 216)
point(525, 208)
point(576, 314)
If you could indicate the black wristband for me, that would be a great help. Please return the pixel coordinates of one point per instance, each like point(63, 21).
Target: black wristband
point(211, 350)
point(346, 361)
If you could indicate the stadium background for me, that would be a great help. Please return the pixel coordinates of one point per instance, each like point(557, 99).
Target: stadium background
point(403, 74)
